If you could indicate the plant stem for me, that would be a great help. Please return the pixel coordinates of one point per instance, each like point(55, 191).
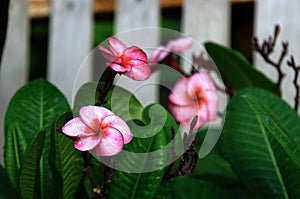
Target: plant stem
point(267, 48)
point(296, 69)
point(87, 169)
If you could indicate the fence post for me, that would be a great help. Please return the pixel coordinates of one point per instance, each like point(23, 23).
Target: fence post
point(203, 20)
point(70, 43)
point(14, 60)
point(133, 14)
point(267, 14)
point(207, 20)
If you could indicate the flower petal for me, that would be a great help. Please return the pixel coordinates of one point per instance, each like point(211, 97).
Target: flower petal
point(159, 54)
point(139, 72)
point(183, 113)
point(116, 46)
point(203, 81)
point(119, 124)
point(93, 116)
point(180, 44)
point(107, 54)
point(87, 143)
point(179, 95)
point(212, 105)
point(111, 144)
point(75, 127)
point(120, 68)
point(134, 52)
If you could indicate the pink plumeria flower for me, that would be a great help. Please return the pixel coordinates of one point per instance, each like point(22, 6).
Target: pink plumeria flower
point(130, 61)
point(173, 46)
point(98, 130)
point(194, 96)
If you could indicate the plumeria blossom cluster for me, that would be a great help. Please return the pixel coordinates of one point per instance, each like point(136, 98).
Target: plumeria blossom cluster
point(103, 133)
point(130, 61)
point(98, 130)
point(194, 96)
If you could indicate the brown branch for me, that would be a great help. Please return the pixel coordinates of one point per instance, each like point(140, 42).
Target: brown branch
point(189, 158)
point(296, 69)
point(267, 48)
point(87, 169)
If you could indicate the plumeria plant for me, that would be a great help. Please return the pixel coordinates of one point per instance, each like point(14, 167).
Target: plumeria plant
point(110, 146)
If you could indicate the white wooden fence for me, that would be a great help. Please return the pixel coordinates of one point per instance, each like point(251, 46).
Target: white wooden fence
point(71, 29)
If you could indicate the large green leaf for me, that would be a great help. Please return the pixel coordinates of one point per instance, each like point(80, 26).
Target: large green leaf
point(15, 146)
point(214, 167)
point(68, 162)
point(35, 106)
point(6, 188)
point(120, 101)
point(193, 188)
point(30, 185)
point(236, 69)
point(262, 142)
point(144, 175)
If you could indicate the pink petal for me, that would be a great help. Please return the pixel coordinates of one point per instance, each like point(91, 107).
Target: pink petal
point(87, 143)
point(111, 144)
point(120, 68)
point(134, 52)
point(159, 54)
point(183, 113)
point(119, 124)
point(212, 105)
point(179, 95)
point(93, 116)
point(180, 44)
point(74, 127)
point(116, 46)
point(202, 117)
point(107, 54)
point(139, 72)
point(203, 81)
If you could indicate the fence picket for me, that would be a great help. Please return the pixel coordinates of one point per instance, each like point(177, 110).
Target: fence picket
point(70, 43)
point(206, 20)
point(14, 60)
point(133, 14)
point(267, 14)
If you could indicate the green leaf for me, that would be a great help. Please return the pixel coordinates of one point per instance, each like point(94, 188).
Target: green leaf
point(15, 146)
point(6, 188)
point(30, 185)
point(144, 176)
point(236, 69)
point(193, 188)
point(120, 101)
point(68, 162)
point(35, 106)
point(213, 167)
point(262, 142)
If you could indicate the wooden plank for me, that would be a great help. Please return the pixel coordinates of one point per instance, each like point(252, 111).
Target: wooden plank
point(206, 20)
point(130, 15)
point(211, 24)
point(267, 14)
point(70, 43)
point(14, 61)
